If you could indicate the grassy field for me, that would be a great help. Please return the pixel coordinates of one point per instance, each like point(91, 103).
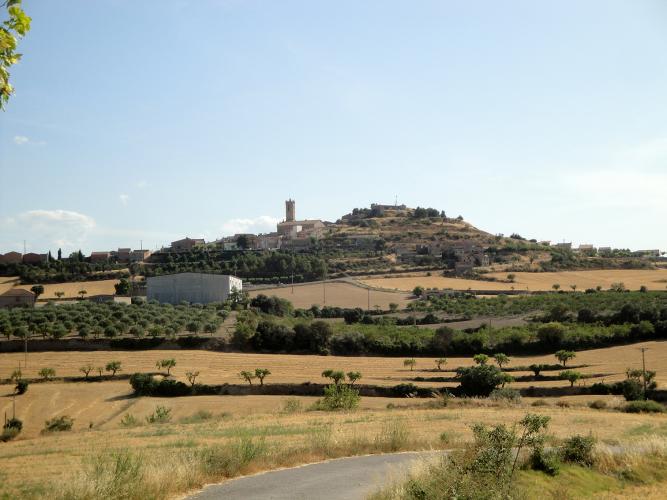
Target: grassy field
point(311, 435)
point(71, 290)
point(338, 294)
point(101, 402)
point(633, 280)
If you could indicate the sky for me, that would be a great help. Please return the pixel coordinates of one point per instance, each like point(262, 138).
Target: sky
point(141, 122)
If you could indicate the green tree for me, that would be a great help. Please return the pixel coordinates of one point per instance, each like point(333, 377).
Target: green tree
point(418, 291)
point(564, 356)
point(393, 307)
point(113, 367)
point(501, 359)
point(261, 373)
point(86, 369)
point(247, 376)
point(166, 363)
point(11, 30)
point(122, 287)
point(37, 290)
point(480, 359)
point(571, 376)
point(60, 294)
point(412, 362)
point(82, 293)
point(47, 373)
point(439, 362)
point(335, 375)
point(353, 377)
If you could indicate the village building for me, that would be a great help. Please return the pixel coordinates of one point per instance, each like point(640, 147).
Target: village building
point(35, 258)
point(292, 229)
point(98, 257)
point(11, 258)
point(139, 255)
point(17, 297)
point(186, 244)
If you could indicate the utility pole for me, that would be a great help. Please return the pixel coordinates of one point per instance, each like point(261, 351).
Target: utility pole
point(643, 350)
point(25, 350)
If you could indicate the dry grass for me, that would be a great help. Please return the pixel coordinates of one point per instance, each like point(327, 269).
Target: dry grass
point(104, 402)
point(218, 368)
point(338, 294)
point(71, 290)
point(172, 448)
point(633, 280)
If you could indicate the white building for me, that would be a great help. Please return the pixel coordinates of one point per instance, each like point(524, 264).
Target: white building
point(196, 288)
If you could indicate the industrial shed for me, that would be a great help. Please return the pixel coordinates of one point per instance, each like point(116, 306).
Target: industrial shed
point(196, 288)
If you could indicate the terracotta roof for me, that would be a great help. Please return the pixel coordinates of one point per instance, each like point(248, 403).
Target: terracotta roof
point(18, 292)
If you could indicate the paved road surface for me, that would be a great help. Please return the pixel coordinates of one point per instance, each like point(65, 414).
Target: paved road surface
point(342, 479)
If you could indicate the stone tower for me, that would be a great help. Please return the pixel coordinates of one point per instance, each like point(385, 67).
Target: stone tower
point(290, 211)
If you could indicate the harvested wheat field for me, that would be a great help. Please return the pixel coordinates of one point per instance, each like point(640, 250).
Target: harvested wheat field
point(218, 368)
point(71, 290)
point(338, 294)
point(632, 279)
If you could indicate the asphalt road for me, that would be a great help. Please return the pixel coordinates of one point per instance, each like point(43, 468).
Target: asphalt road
point(342, 479)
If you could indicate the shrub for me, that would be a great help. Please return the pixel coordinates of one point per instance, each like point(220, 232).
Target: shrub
point(161, 415)
point(292, 405)
point(21, 386)
point(598, 404)
point(571, 376)
point(644, 407)
point(58, 424)
point(47, 373)
point(551, 334)
point(143, 384)
point(539, 402)
point(113, 367)
point(578, 450)
point(338, 397)
point(543, 460)
point(632, 390)
point(479, 380)
point(129, 420)
point(14, 423)
point(511, 395)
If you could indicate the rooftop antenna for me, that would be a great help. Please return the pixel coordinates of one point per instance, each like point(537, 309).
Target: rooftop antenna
point(141, 244)
point(23, 247)
point(395, 200)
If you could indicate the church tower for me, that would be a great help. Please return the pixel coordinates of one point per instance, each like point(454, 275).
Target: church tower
point(290, 211)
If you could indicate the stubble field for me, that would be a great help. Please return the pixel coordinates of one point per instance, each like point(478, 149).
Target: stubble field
point(338, 294)
point(632, 279)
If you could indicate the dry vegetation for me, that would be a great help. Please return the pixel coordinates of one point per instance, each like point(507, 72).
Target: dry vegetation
point(633, 279)
point(292, 438)
point(71, 290)
point(102, 403)
point(338, 294)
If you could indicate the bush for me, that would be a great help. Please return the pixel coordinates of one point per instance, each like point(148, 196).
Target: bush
point(58, 424)
point(129, 420)
point(511, 395)
point(143, 384)
point(338, 397)
point(479, 380)
point(161, 415)
point(292, 405)
point(21, 386)
point(543, 460)
point(578, 450)
point(632, 390)
point(644, 407)
point(539, 402)
point(598, 404)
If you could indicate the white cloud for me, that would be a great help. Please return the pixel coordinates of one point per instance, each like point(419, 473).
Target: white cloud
point(20, 140)
point(124, 198)
point(141, 184)
point(62, 228)
point(261, 224)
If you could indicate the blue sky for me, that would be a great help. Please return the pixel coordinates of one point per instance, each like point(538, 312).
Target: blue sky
point(152, 120)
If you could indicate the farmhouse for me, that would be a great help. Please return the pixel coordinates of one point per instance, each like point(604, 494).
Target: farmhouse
point(139, 255)
point(11, 258)
point(17, 297)
point(35, 258)
point(197, 288)
point(186, 244)
point(99, 256)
